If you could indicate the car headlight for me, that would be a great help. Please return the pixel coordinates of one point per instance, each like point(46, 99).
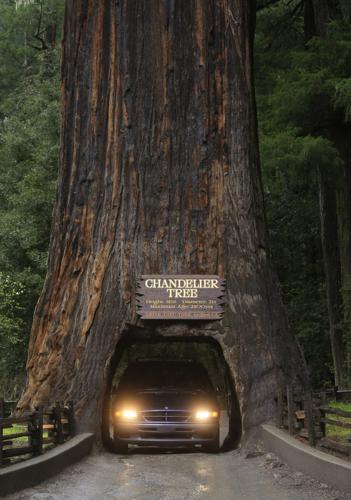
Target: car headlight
point(127, 414)
point(205, 414)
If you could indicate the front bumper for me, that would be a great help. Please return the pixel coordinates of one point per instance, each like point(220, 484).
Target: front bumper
point(166, 434)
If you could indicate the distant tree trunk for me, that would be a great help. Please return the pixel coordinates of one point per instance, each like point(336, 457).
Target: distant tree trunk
point(159, 173)
point(344, 232)
point(342, 180)
point(335, 210)
point(331, 259)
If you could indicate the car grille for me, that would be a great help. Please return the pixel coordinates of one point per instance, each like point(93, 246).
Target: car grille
point(172, 416)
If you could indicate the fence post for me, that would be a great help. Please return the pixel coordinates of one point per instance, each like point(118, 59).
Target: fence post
point(50, 412)
point(2, 408)
point(310, 420)
point(71, 419)
point(1, 445)
point(40, 419)
point(335, 392)
point(32, 431)
point(289, 397)
point(322, 413)
point(35, 428)
point(59, 428)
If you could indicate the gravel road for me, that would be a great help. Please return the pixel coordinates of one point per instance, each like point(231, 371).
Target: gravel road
point(179, 476)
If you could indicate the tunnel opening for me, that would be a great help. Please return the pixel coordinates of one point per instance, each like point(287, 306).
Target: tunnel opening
point(204, 352)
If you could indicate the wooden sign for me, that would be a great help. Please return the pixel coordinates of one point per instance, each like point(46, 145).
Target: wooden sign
point(179, 296)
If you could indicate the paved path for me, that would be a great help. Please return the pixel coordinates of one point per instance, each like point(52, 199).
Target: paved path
point(179, 476)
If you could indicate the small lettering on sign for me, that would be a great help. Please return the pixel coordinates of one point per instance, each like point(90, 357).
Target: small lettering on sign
point(180, 297)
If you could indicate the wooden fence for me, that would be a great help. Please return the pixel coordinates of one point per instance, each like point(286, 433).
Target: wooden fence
point(34, 431)
point(308, 414)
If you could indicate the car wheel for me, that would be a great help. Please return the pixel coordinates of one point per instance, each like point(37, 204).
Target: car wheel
point(119, 446)
point(213, 446)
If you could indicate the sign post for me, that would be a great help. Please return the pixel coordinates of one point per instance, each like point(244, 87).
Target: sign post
point(179, 296)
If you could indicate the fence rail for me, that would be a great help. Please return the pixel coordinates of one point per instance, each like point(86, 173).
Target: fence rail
point(34, 431)
point(307, 415)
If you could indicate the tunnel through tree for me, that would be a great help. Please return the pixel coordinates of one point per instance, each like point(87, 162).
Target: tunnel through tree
point(166, 381)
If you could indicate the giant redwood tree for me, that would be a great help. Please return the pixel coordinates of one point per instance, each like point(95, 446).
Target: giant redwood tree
point(159, 173)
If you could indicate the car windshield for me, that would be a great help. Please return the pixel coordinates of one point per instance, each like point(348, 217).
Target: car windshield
point(160, 375)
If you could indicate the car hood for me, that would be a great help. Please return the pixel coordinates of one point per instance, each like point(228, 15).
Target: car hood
point(173, 400)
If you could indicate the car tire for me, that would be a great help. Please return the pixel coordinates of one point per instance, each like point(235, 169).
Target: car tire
point(213, 446)
point(119, 446)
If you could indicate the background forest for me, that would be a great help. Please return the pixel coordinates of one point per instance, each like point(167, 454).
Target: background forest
point(303, 88)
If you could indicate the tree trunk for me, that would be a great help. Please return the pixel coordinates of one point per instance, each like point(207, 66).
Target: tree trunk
point(331, 260)
point(342, 180)
point(335, 206)
point(159, 173)
point(344, 230)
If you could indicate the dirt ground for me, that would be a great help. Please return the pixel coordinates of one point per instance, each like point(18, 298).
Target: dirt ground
point(179, 476)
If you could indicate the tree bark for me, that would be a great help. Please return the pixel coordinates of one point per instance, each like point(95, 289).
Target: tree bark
point(331, 260)
point(335, 206)
point(344, 232)
point(159, 173)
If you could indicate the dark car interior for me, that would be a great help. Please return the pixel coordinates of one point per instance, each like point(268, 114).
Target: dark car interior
point(145, 375)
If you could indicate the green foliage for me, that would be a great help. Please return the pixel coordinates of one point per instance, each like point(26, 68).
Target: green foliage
point(12, 332)
point(10, 310)
point(28, 165)
point(315, 86)
point(29, 95)
point(303, 95)
point(292, 210)
point(342, 96)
